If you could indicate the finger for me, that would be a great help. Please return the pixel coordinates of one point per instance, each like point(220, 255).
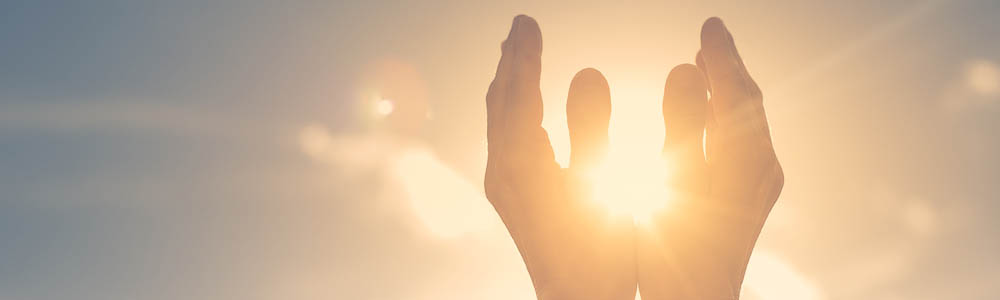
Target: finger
point(711, 128)
point(514, 104)
point(742, 155)
point(736, 99)
point(710, 123)
point(685, 101)
point(520, 156)
point(700, 62)
point(496, 97)
point(526, 143)
point(726, 73)
point(588, 111)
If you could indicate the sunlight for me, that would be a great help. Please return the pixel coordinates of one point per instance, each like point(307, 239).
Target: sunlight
point(769, 277)
point(628, 184)
point(315, 140)
point(632, 179)
point(348, 151)
point(384, 107)
point(447, 203)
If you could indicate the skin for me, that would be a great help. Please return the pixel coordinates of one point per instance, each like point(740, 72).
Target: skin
point(572, 249)
point(697, 249)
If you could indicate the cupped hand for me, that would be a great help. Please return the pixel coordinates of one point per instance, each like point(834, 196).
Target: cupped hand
point(572, 249)
point(723, 185)
point(725, 180)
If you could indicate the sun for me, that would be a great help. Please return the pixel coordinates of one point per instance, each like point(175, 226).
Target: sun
point(633, 177)
point(384, 107)
point(630, 184)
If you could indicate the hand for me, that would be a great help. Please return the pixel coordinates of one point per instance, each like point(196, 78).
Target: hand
point(698, 248)
point(572, 249)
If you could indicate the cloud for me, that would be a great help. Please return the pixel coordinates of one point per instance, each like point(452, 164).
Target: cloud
point(920, 218)
point(447, 203)
point(983, 77)
point(356, 151)
point(978, 86)
point(768, 277)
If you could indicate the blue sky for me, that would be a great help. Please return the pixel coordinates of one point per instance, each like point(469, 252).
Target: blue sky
point(161, 150)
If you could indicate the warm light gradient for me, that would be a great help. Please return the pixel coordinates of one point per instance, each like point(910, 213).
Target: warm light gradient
point(336, 150)
point(633, 185)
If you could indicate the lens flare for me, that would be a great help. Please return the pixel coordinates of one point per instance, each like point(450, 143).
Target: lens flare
point(384, 107)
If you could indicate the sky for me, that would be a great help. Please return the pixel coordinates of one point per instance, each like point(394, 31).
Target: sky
point(335, 150)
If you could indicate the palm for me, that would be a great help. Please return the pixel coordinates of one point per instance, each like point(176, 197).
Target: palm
point(696, 249)
point(571, 249)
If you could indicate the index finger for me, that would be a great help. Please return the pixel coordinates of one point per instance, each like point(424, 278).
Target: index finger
point(736, 102)
point(517, 143)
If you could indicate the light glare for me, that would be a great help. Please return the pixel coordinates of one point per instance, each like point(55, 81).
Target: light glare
point(628, 184)
point(384, 107)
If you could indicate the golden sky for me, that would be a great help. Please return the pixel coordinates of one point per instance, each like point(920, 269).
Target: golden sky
point(258, 150)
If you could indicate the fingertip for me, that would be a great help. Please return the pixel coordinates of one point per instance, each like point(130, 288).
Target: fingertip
point(589, 97)
point(714, 20)
point(685, 92)
point(527, 34)
point(686, 77)
point(588, 113)
point(685, 104)
point(713, 33)
point(685, 97)
point(589, 77)
point(721, 61)
point(524, 19)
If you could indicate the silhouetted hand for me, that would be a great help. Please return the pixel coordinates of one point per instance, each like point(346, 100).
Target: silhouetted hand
point(698, 248)
point(572, 249)
point(724, 185)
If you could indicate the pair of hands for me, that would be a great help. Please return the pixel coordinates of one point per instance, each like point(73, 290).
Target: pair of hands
point(699, 248)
